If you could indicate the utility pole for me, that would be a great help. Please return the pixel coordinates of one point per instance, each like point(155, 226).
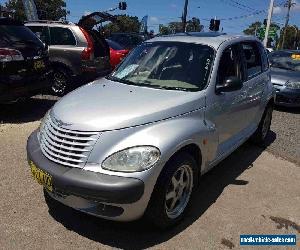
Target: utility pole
point(270, 13)
point(184, 15)
point(289, 5)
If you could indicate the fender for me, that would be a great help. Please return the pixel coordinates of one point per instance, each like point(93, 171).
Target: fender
point(169, 136)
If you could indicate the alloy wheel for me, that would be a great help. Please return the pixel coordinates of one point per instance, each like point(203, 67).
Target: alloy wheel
point(59, 83)
point(179, 191)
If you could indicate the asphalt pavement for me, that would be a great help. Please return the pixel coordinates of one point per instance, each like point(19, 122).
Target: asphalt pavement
point(255, 190)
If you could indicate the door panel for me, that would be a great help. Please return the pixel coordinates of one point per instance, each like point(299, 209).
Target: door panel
point(256, 79)
point(227, 111)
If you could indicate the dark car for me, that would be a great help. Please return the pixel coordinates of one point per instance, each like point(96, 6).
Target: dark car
point(285, 73)
point(78, 53)
point(23, 62)
point(128, 40)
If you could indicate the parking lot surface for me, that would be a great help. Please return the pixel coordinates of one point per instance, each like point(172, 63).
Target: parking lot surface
point(254, 191)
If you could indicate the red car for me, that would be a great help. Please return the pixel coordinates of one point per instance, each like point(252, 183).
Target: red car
point(117, 53)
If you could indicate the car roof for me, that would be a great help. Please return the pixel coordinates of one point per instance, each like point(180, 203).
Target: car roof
point(10, 21)
point(213, 39)
point(49, 23)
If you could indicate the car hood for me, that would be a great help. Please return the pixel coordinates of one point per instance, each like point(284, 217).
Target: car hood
point(106, 105)
point(281, 76)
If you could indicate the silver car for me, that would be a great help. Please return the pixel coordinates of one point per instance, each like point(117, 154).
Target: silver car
point(135, 143)
point(77, 53)
point(285, 76)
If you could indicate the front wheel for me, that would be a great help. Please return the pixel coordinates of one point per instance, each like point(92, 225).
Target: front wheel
point(61, 80)
point(260, 135)
point(173, 190)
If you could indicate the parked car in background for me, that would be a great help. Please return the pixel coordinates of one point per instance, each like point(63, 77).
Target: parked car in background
point(136, 142)
point(24, 64)
point(78, 54)
point(117, 53)
point(285, 73)
point(127, 40)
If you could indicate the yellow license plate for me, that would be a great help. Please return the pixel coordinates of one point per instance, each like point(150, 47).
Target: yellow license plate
point(41, 176)
point(37, 65)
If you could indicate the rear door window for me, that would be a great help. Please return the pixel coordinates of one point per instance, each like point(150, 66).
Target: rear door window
point(252, 58)
point(61, 36)
point(41, 32)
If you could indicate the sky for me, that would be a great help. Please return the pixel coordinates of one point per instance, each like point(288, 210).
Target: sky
point(237, 14)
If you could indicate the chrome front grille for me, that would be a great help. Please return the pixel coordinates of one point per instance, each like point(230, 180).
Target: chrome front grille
point(66, 147)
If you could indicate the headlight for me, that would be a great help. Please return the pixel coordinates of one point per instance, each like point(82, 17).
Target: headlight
point(293, 85)
point(132, 159)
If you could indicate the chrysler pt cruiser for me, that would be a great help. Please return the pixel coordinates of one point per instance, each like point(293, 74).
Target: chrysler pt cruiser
point(135, 143)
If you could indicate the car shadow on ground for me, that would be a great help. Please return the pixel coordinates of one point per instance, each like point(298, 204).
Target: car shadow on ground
point(29, 110)
point(139, 234)
point(288, 109)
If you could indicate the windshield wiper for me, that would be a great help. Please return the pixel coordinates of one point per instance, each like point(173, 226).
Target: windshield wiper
point(116, 79)
point(145, 84)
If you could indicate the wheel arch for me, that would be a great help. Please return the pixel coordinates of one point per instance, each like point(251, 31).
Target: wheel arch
point(192, 149)
point(61, 65)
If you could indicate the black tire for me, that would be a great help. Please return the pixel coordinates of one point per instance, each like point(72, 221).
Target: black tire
point(61, 80)
point(156, 212)
point(260, 135)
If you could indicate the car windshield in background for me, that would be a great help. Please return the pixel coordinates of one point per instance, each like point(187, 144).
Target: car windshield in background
point(129, 41)
point(167, 65)
point(114, 45)
point(17, 34)
point(285, 60)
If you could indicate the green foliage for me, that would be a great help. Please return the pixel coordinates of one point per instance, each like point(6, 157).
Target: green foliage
point(124, 24)
point(291, 40)
point(164, 30)
point(176, 27)
point(252, 28)
point(194, 25)
point(50, 9)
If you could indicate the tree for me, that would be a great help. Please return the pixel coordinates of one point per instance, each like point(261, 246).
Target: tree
point(194, 25)
point(175, 27)
point(124, 24)
point(50, 10)
point(258, 29)
point(164, 30)
point(253, 28)
point(292, 38)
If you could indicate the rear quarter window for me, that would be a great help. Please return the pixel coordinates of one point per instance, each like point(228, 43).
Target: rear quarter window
point(41, 32)
point(17, 33)
point(61, 36)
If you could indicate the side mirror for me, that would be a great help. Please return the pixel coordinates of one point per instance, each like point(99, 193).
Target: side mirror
point(230, 84)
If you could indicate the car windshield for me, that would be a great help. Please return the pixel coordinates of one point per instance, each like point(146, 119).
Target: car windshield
point(167, 65)
point(285, 60)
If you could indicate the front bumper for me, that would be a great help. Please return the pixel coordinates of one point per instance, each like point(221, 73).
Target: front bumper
point(287, 97)
point(11, 89)
point(99, 194)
